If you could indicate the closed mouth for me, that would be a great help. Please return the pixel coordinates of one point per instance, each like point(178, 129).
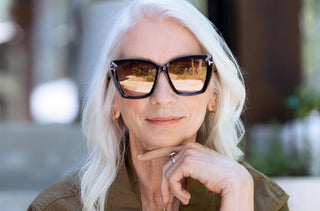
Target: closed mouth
point(163, 121)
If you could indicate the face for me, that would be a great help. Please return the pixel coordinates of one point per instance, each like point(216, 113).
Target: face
point(165, 118)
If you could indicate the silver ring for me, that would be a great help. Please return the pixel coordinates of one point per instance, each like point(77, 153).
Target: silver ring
point(171, 156)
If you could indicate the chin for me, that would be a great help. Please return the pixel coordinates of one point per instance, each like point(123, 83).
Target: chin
point(156, 144)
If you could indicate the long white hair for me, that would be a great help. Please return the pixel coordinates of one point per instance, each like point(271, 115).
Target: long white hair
point(106, 139)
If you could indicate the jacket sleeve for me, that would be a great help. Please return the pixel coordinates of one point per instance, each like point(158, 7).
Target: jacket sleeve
point(64, 204)
point(62, 196)
point(268, 196)
point(284, 208)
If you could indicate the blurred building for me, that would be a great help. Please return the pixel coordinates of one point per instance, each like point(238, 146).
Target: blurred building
point(15, 31)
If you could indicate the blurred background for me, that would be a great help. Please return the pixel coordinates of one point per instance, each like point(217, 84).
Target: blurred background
point(48, 50)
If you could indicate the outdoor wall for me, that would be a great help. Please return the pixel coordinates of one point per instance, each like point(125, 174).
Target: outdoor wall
point(268, 49)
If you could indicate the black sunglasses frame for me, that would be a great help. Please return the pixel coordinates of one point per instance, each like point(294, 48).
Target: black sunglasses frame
point(208, 58)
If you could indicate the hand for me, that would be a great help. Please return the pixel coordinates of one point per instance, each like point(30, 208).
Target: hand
point(218, 173)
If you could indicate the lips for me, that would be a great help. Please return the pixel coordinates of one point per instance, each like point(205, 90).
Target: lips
point(164, 121)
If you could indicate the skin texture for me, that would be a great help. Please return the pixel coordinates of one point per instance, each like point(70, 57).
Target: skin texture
point(166, 122)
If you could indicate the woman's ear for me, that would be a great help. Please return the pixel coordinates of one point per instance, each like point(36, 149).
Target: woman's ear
point(212, 103)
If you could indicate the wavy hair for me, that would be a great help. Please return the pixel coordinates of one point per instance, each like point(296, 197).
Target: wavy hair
point(106, 139)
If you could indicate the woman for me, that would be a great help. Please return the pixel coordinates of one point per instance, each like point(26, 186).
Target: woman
point(163, 121)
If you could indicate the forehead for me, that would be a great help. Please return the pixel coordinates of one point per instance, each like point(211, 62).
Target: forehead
point(159, 41)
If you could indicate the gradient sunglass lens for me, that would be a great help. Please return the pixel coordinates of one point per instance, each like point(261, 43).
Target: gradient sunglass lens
point(188, 75)
point(136, 78)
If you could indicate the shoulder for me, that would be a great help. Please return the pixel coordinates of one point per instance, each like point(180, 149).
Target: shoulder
point(62, 195)
point(267, 194)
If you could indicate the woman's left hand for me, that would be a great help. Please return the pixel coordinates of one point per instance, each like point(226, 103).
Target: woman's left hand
point(218, 173)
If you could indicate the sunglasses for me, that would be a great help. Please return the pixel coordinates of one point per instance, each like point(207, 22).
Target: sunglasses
point(137, 78)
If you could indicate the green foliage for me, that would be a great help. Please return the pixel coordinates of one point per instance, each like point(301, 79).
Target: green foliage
point(275, 161)
point(141, 70)
point(150, 77)
point(304, 101)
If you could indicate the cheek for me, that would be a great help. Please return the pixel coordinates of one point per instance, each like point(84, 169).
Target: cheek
point(130, 111)
point(197, 110)
point(198, 115)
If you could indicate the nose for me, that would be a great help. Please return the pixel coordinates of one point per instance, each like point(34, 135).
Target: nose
point(163, 93)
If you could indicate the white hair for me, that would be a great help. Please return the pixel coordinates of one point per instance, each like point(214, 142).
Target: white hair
point(106, 139)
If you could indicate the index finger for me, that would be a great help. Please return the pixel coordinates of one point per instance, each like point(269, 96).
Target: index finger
point(159, 153)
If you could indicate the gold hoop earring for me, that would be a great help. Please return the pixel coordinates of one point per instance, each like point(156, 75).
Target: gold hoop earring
point(116, 120)
point(212, 113)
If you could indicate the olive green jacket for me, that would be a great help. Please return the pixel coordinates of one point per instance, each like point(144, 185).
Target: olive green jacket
point(124, 194)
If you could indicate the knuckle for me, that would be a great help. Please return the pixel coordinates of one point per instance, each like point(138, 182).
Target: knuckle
point(189, 152)
point(187, 160)
point(171, 177)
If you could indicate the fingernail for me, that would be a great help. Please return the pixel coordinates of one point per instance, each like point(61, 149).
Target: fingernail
point(139, 156)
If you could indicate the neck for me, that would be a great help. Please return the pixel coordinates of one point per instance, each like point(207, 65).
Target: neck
point(149, 175)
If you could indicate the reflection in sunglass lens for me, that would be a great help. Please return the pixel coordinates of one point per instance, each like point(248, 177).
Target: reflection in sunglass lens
point(136, 78)
point(189, 75)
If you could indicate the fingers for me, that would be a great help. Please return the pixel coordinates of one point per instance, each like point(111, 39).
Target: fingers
point(158, 153)
point(165, 188)
point(174, 181)
point(173, 174)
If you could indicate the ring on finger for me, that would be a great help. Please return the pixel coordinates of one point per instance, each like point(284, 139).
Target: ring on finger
point(171, 156)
